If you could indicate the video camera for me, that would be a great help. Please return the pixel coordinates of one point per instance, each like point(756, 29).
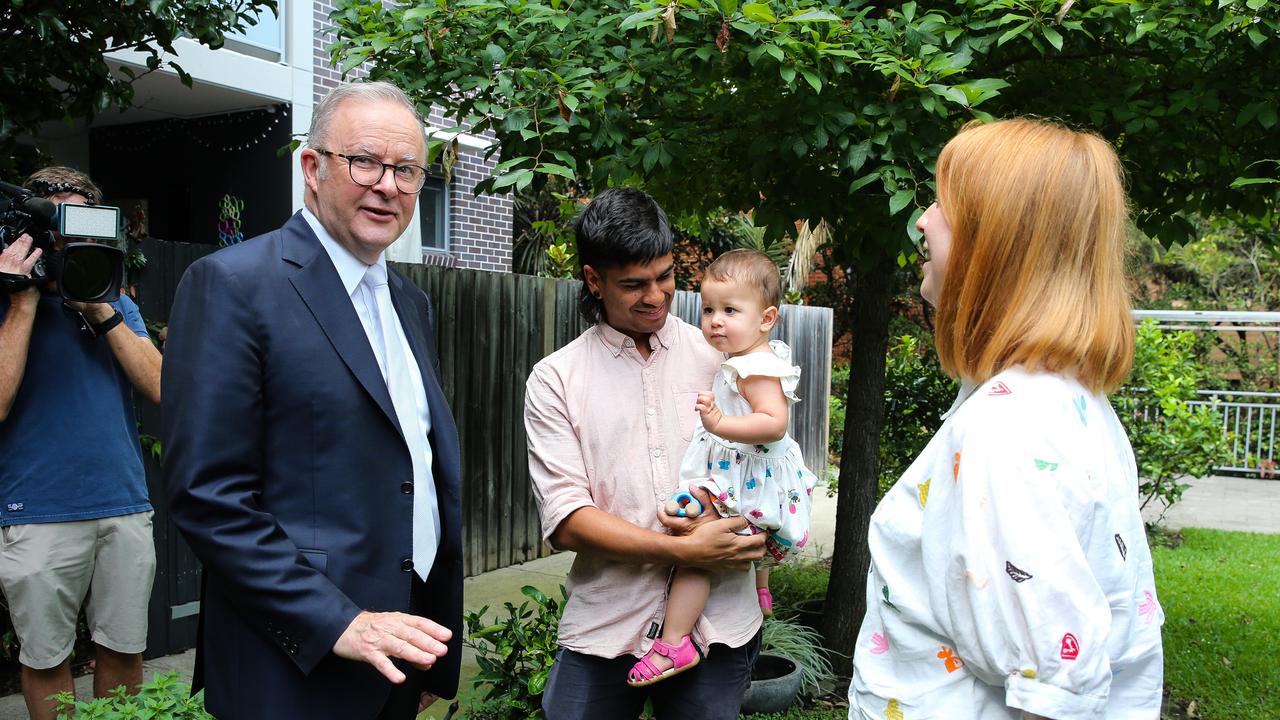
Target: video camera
point(85, 271)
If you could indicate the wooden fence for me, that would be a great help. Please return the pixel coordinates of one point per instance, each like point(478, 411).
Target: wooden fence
point(175, 595)
point(492, 328)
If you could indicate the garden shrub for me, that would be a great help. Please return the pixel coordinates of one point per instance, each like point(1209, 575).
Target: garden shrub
point(1171, 439)
point(166, 697)
point(835, 405)
point(916, 394)
point(798, 580)
point(515, 655)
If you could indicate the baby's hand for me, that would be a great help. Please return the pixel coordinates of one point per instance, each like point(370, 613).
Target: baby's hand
point(710, 412)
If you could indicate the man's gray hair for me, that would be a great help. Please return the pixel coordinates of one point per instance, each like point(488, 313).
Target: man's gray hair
point(376, 91)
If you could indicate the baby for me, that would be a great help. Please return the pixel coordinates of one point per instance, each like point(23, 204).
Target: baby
point(742, 456)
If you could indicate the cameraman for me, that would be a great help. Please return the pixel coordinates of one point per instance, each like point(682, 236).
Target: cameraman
point(74, 512)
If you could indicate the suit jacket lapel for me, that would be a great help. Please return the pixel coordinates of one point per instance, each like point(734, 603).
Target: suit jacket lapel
point(317, 282)
point(443, 436)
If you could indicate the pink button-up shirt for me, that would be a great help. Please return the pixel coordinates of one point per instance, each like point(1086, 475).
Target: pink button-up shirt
point(607, 428)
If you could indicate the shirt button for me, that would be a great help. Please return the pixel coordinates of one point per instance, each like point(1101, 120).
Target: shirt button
point(406, 565)
point(628, 343)
point(406, 488)
point(656, 452)
point(648, 372)
point(650, 411)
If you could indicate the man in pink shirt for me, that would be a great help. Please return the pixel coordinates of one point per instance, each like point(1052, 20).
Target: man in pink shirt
point(608, 418)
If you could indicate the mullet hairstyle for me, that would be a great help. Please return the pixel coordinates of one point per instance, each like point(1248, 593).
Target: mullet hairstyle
point(1035, 276)
point(752, 268)
point(620, 226)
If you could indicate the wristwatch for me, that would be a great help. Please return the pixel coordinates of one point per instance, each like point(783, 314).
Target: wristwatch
point(104, 327)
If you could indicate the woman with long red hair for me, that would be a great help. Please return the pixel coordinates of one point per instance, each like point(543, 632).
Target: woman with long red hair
point(1011, 576)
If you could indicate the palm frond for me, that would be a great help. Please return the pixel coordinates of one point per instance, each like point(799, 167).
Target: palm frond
point(800, 263)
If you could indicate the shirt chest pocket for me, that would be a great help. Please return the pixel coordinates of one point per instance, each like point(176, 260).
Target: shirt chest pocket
point(687, 419)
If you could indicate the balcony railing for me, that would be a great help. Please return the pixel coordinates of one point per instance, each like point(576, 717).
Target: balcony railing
point(1249, 419)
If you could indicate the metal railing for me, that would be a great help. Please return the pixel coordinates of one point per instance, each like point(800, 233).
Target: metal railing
point(1249, 419)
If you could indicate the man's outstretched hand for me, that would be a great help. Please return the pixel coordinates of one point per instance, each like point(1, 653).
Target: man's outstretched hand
point(375, 638)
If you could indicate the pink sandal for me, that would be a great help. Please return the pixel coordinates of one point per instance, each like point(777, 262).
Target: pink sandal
point(766, 601)
point(684, 655)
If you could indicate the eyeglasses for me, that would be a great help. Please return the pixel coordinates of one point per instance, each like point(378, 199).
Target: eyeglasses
point(367, 172)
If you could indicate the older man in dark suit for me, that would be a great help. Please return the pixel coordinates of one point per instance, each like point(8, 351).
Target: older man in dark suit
point(311, 458)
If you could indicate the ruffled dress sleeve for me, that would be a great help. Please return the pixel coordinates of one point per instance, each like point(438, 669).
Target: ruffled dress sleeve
point(772, 364)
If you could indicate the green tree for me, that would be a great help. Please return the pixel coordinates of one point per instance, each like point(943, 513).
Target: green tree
point(1232, 266)
point(55, 66)
point(835, 111)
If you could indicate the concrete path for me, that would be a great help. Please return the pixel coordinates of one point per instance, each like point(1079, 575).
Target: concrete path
point(1223, 503)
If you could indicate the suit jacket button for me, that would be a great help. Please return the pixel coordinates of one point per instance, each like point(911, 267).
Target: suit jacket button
point(406, 565)
point(406, 488)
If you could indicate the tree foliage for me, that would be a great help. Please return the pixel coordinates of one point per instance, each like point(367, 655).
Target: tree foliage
point(55, 66)
point(804, 109)
point(1234, 267)
point(835, 111)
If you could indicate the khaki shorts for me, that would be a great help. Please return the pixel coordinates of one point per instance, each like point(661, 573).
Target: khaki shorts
point(47, 569)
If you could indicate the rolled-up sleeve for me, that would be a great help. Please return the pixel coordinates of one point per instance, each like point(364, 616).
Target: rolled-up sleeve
point(1018, 595)
point(556, 465)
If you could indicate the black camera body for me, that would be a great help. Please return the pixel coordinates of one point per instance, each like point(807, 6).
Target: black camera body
point(84, 271)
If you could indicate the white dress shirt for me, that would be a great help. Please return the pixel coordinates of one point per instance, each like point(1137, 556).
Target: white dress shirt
point(351, 271)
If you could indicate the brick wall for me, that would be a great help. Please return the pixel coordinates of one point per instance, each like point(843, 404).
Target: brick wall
point(479, 227)
point(327, 77)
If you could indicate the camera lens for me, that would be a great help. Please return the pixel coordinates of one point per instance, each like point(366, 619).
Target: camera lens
point(90, 273)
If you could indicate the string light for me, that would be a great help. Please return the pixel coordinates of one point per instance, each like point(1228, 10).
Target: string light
point(143, 136)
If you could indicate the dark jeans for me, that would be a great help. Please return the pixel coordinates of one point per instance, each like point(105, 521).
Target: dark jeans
point(584, 687)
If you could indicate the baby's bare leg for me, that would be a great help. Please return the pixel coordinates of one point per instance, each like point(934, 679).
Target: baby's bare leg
point(689, 591)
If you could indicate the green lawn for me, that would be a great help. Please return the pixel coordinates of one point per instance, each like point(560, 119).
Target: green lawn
point(1221, 597)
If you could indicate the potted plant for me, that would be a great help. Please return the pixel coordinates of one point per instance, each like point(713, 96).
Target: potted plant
point(809, 612)
point(791, 661)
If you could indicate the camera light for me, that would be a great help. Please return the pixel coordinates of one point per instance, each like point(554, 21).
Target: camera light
point(88, 221)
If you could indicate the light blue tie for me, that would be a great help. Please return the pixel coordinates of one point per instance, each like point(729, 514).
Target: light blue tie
point(395, 371)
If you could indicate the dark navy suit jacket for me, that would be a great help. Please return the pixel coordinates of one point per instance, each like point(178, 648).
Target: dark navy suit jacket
point(290, 479)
